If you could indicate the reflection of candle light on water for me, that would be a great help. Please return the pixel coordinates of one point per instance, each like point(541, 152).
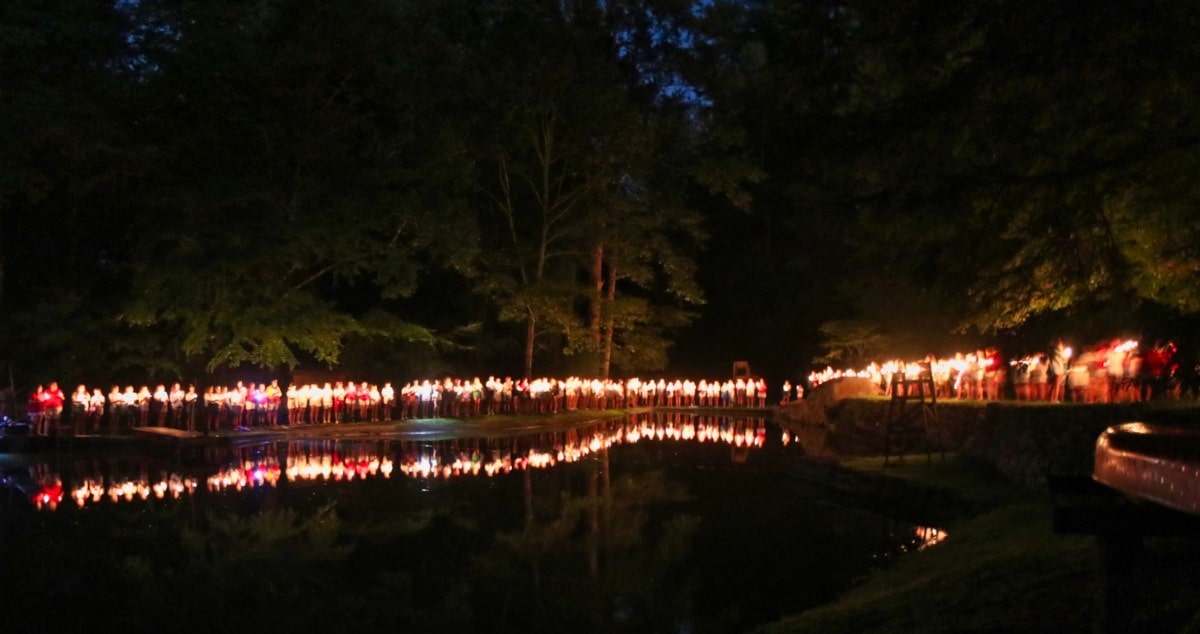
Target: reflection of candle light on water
point(93, 491)
point(928, 536)
point(442, 459)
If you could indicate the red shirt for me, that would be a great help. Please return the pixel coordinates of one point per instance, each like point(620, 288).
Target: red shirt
point(1155, 361)
point(49, 494)
point(996, 361)
point(54, 398)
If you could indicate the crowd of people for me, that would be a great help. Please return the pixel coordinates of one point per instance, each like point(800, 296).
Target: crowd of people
point(337, 461)
point(120, 409)
point(1113, 371)
point(460, 397)
point(246, 405)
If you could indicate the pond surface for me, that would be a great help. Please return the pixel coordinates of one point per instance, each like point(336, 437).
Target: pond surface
point(660, 522)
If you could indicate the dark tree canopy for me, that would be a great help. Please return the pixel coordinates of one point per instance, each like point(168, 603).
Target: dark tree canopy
point(983, 167)
point(590, 187)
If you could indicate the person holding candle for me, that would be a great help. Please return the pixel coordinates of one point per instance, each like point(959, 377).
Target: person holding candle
point(142, 403)
point(995, 374)
point(1020, 379)
point(235, 400)
point(291, 401)
point(350, 403)
point(1058, 370)
point(1114, 366)
point(1078, 377)
point(326, 403)
point(116, 408)
point(339, 401)
point(1039, 388)
point(212, 409)
point(251, 405)
point(53, 406)
point(1098, 385)
point(309, 402)
point(274, 396)
point(95, 410)
point(158, 404)
point(387, 398)
point(373, 400)
point(190, 398)
point(33, 409)
point(79, 406)
point(175, 401)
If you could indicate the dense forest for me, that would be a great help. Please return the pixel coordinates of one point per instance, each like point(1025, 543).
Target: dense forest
point(596, 187)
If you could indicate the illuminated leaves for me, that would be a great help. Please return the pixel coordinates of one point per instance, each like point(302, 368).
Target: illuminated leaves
point(1043, 174)
point(849, 343)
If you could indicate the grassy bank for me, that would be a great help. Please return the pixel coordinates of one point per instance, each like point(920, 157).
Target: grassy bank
point(1002, 570)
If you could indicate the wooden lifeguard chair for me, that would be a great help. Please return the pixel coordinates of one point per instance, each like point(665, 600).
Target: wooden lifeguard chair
point(913, 408)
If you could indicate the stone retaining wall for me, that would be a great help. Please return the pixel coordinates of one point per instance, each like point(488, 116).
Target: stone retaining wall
point(1026, 442)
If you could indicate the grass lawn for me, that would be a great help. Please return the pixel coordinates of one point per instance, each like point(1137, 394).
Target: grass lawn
point(1004, 569)
point(1001, 571)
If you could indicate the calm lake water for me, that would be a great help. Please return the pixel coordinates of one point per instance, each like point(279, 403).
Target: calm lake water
point(656, 523)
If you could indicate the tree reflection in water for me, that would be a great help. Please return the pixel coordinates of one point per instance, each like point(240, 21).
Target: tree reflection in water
point(592, 559)
point(654, 523)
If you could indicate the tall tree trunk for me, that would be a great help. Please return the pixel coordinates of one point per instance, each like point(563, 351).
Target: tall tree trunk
point(597, 298)
point(606, 364)
point(530, 333)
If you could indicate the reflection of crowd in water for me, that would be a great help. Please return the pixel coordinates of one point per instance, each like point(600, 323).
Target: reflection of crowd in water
point(259, 404)
point(340, 461)
point(926, 536)
point(46, 489)
point(911, 539)
point(1110, 372)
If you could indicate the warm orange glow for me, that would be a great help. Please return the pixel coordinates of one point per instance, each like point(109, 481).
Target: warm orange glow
point(349, 461)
